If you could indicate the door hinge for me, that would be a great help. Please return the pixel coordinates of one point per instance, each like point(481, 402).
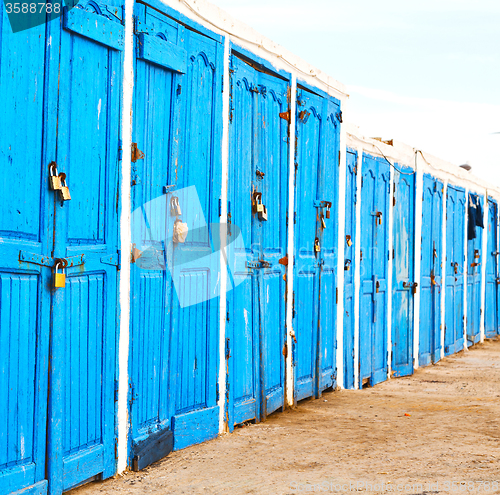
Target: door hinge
point(285, 115)
point(228, 350)
point(285, 351)
point(216, 392)
point(116, 390)
point(337, 295)
point(120, 149)
point(394, 201)
point(393, 254)
point(293, 304)
point(112, 259)
point(294, 217)
point(339, 158)
point(137, 154)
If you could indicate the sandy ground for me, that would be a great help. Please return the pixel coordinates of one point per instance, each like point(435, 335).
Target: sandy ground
point(428, 431)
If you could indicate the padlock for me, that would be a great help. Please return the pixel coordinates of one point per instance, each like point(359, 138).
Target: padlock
point(263, 213)
point(323, 224)
point(59, 278)
point(175, 208)
point(377, 286)
point(54, 179)
point(379, 215)
point(327, 213)
point(414, 288)
point(317, 247)
point(64, 191)
point(348, 240)
point(347, 265)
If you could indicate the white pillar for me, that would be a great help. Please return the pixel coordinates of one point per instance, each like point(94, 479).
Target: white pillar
point(419, 186)
point(357, 263)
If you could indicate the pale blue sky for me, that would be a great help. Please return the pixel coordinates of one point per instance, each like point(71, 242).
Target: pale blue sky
point(426, 73)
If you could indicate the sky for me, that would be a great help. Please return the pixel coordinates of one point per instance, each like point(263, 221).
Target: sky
point(425, 73)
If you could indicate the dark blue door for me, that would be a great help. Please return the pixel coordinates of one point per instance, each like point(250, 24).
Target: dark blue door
point(258, 167)
point(26, 226)
point(349, 266)
point(454, 297)
point(431, 271)
point(174, 303)
point(403, 284)
point(375, 185)
point(315, 292)
point(491, 327)
point(474, 279)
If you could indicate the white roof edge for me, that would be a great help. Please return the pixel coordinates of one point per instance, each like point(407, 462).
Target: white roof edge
point(405, 155)
point(221, 22)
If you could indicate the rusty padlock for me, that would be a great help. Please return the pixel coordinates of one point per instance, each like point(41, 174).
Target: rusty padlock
point(317, 247)
point(64, 191)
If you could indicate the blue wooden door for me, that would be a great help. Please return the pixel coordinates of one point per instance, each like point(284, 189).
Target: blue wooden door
point(491, 327)
point(316, 183)
point(256, 316)
point(454, 297)
point(431, 271)
point(26, 227)
point(174, 303)
point(403, 284)
point(349, 266)
point(474, 280)
point(81, 429)
point(373, 270)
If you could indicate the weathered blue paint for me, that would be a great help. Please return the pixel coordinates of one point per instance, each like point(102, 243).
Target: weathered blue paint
point(315, 291)
point(373, 270)
point(474, 282)
point(67, 86)
point(431, 271)
point(454, 297)
point(349, 266)
point(24, 294)
point(177, 124)
point(491, 320)
point(403, 270)
point(256, 317)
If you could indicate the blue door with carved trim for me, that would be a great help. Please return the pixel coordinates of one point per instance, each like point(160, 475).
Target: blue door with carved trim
point(258, 179)
point(403, 284)
point(174, 280)
point(374, 264)
point(491, 320)
point(315, 279)
point(431, 271)
point(62, 395)
point(454, 270)
point(349, 267)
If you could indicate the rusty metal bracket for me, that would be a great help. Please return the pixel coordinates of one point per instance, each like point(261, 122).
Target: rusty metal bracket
point(285, 115)
point(304, 116)
point(38, 259)
point(137, 154)
point(283, 261)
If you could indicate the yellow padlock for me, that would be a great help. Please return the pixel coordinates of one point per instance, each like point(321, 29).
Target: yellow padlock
point(59, 278)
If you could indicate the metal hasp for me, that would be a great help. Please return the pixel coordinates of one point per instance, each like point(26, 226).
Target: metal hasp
point(38, 259)
point(256, 265)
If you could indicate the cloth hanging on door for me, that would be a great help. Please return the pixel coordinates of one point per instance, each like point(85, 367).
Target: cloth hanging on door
point(471, 218)
point(479, 213)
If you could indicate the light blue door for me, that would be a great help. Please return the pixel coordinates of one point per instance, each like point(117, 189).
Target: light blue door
point(454, 297)
point(349, 266)
point(474, 280)
point(491, 327)
point(174, 291)
point(70, 91)
point(315, 291)
point(258, 174)
point(81, 429)
point(403, 269)
point(26, 226)
point(431, 271)
point(373, 270)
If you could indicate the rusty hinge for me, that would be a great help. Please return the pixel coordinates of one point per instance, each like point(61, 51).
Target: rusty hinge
point(394, 201)
point(337, 295)
point(285, 351)
point(137, 154)
point(285, 115)
point(284, 261)
point(361, 255)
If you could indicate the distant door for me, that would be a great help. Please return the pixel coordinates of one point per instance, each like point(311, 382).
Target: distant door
point(349, 267)
point(373, 270)
point(316, 186)
point(474, 280)
point(491, 320)
point(174, 292)
point(258, 175)
point(403, 269)
point(431, 271)
point(454, 297)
